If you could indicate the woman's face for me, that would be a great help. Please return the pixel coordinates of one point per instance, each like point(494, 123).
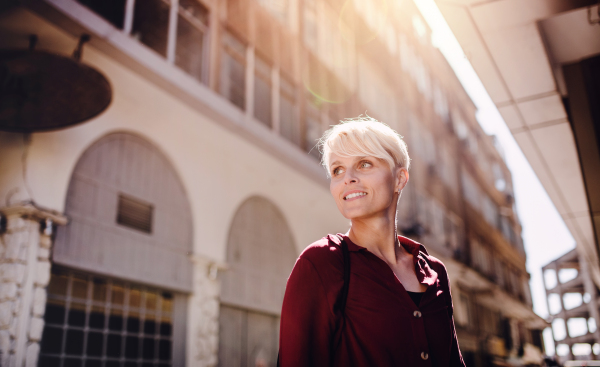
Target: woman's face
point(365, 187)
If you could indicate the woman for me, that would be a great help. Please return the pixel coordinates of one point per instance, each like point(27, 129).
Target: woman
point(394, 307)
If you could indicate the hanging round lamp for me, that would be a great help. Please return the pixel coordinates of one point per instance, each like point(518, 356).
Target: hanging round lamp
point(42, 91)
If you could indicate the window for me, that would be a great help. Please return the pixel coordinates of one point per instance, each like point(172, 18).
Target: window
point(313, 129)
point(440, 103)
point(310, 25)
point(437, 227)
point(192, 32)
point(96, 321)
point(278, 8)
point(481, 257)
point(233, 71)
point(471, 191)
point(111, 10)
point(151, 24)
point(134, 213)
point(262, 91)
point(288, 120)
point(490, 211)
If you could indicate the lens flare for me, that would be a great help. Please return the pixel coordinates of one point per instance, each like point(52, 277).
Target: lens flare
point(360, 21)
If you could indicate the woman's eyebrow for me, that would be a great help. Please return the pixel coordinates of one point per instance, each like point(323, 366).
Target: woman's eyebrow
point(334, 163)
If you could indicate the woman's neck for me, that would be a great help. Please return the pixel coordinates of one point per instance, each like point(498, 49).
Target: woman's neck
point(378, 235)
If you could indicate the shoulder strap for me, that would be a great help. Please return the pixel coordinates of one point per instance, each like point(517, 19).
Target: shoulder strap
point(346, 286)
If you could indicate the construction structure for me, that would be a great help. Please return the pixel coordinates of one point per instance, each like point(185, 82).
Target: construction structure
point(162, 230)
point(584, 309)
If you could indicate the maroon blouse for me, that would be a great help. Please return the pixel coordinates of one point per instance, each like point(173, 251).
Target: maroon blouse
point(383, 326)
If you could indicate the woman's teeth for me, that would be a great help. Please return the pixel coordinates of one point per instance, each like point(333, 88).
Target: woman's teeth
point(356, 194)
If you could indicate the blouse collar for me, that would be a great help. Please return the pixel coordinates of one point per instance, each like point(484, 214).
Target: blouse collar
point(425, 274)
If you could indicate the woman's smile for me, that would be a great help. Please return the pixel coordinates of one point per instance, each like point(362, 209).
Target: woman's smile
point(354, 195)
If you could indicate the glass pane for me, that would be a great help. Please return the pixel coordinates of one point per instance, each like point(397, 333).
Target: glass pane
point(111, 10)
point(164, 350)
point(149, 348)
point(52, 340)
point(262, 100)
point(113, 345)
point(72, 362)
point(165, 328)
point(191, 24)
point(58, 285)
point(132, 347)
point(149, 325)
point(288, 125)
point(55, 312)
point(77, 314)
point(167, 302)
point(150, 24)
point(99, 293)
point(151, 301)
point(97, 317)
point(95, 342)
point(49, 361)
point(79, 288)
point(93, 363)
point(133, 322)
point(233, 83)
point(135, 298)
point(74, 343)
point(118, 294)
point(115, 320)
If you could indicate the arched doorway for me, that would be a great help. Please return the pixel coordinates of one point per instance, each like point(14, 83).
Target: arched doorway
point(121, 267)
point(260, 255)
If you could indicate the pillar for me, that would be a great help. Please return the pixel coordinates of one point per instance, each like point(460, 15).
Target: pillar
point(26, 237)
point(204, 318)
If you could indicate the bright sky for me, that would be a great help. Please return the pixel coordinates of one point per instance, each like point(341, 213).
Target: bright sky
point(545, 235)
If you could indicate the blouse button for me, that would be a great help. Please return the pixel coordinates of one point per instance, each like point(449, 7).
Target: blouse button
point(417, 314)
point(424, 356)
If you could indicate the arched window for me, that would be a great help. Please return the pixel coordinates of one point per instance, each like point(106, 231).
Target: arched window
point(121, 267)
point(260, 255)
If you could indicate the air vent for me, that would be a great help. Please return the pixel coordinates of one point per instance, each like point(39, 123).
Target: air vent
point(134, 213)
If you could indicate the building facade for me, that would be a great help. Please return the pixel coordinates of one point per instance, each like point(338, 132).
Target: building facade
point(162, 231)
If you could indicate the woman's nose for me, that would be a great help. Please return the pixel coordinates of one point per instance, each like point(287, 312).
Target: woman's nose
point(350, 177)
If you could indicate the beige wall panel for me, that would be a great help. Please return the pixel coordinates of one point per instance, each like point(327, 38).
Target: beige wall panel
point(543, 110)
point(511, 116)
point(557, 145)
point(461, 23)
point(521, 58)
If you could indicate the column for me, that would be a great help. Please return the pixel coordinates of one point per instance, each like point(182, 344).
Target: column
point(204, 313)
point(26, 236)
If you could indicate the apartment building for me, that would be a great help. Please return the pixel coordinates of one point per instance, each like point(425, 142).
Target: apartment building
point(162, 231)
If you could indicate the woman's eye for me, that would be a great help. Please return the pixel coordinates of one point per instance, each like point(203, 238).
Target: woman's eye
point(365, 164)
point(337, 171)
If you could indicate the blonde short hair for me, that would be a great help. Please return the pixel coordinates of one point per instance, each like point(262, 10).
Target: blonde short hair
point(364, 136)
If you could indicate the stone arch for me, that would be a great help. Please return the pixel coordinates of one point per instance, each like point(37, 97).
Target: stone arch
point(260, 256)
point(128, 212)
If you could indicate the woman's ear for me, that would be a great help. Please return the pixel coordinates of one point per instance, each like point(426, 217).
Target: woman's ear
point(401, 178)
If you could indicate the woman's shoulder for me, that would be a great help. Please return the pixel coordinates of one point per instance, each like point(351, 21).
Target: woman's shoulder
point(324, 252)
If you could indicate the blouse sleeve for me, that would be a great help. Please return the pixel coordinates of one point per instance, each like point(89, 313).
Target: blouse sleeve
point(307, 321)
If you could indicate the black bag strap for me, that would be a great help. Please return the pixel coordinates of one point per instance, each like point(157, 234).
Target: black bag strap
point(346, 276)
point(346, 286)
